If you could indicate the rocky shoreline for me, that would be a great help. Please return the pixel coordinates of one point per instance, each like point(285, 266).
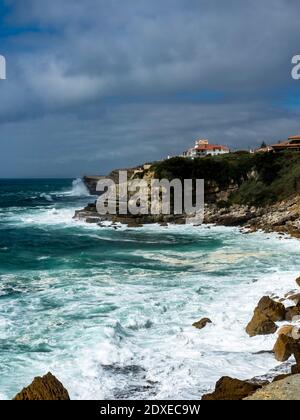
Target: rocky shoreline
point(267, 314)
point(280, 316)
point(282, 218)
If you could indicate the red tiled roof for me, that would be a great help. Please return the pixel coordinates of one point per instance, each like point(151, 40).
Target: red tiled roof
point(211, 147)
point(294, 137)
point(286, 145)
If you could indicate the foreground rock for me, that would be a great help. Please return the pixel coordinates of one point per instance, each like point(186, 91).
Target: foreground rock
point(288, 344)
point(44, 388)
point(286, 389)
point(229, 389)
point(265, 315)
point(292, 313)
point(202, 323)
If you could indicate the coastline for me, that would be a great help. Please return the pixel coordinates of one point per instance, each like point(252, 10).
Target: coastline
point(281, 218)
point(192, 272)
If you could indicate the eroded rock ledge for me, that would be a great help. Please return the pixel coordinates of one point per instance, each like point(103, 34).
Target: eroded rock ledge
point(283, 217)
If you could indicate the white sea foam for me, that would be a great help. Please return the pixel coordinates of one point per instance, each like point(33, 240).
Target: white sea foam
point(125, 329)
point(79, 189)
point(47, 197)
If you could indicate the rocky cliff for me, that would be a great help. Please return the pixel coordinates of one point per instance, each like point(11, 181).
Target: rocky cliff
point(254, 191)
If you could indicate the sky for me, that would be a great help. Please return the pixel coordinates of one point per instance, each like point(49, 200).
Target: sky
point(94, 85)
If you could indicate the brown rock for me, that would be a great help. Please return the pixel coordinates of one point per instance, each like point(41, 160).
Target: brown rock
point(202, 323)
point(232, 390)
point(295, 369)
point(292, 312)
point(260, 325)
point(290, 293)
point(275, 311)
point(284, 348)
point(266, 313)
point(93, 220)
point(286, 330)
point(298, 281)
point(46, 388)
point(280, 377)
point(287, 389)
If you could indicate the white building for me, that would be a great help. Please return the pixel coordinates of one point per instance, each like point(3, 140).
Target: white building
point(202, 148)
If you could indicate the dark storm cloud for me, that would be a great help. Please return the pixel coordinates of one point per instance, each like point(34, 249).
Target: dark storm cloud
point(95, 84)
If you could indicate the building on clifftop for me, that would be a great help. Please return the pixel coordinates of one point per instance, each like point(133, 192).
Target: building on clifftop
point(293, 144)
point(202, 148)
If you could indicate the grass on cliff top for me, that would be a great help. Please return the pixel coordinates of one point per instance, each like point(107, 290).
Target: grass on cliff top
point(262, 178)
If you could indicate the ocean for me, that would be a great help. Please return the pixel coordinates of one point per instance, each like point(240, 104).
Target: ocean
point(110, 312)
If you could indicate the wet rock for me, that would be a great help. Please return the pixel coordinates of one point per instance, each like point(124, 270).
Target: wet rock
point(295, 369)
point(202, 323)
point(275, 311)
point(280, 377)
point(44, 388)
point(260, 325)
point(290, 293)
point(292, 312)
point(133, 224)
point(286, 330)
point(286, 389)
point(266, 313)
point(93, 220)
point(295, 298)
point(285, 347)
point(230, 389)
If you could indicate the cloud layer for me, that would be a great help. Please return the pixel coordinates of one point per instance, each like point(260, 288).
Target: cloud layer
point(97, 84)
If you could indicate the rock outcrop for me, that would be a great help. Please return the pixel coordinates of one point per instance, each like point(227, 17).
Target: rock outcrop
point(283, 348)
point(260, 325)
point(283, 217)
point(46, 388)
point(288, 344)
point(292, 312)
point(284, 390)
point(202, 323)
point(265, 315)
point(230, 389)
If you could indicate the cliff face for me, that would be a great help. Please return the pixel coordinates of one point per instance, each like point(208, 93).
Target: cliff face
point(92, 180)
point(257, 191)
point(91, 183)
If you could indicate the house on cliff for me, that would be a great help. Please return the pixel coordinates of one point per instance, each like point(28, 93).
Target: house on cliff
point(293, 144)
point(202, 148)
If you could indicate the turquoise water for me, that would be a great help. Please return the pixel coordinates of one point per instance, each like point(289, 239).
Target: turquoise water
point(109, 312)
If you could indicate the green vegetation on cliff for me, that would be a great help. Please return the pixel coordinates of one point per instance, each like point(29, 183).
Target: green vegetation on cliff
point(261, 179)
